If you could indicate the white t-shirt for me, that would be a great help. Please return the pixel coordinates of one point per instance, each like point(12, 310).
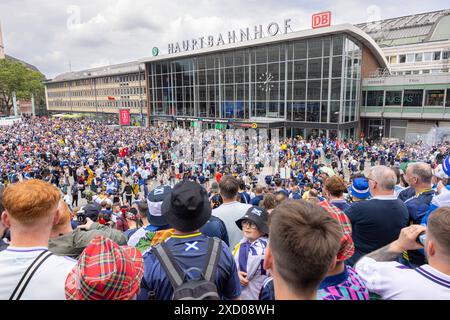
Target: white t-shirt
point(229, 213)
point(98, 172)
point(144, 174)
point(46, 284)
point(394, 281)
point(67, 199)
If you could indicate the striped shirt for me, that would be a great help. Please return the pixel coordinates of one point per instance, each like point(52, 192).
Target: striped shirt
point(249, 258)
point(393, 281)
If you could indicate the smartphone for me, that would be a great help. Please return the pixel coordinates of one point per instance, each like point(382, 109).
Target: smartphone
point(421, 238)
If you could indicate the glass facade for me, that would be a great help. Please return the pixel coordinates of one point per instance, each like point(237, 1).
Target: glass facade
point(407, 98)
point(313, 80)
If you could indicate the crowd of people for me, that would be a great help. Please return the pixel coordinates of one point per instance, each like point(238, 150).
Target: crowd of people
point(92, 212)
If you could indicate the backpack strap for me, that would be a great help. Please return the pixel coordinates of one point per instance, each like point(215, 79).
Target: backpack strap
point(214, 250)
point(165, 257)
point(29, 273)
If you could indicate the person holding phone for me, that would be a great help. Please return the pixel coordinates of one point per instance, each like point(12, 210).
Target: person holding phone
point(394, 281)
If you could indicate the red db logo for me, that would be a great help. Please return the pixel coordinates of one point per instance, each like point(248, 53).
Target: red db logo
point(322, 19)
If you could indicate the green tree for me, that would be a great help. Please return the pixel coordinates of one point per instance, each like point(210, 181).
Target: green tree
point(15, 77)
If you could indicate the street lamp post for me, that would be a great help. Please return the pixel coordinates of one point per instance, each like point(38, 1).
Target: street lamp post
point(339, 121)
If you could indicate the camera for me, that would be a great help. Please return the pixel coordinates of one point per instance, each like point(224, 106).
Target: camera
point(421, 238)
point(81, 217)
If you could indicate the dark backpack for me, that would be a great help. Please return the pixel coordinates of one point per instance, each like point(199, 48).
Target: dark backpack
point(75, 189)
point(184, 288)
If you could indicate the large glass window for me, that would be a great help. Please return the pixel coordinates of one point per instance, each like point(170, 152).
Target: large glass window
point(300, 70)
point(335, 89)
point(412, 98)
point(239, 58)
point(239, 73)
point(334, 111)
point(410, 57)
point(240, 92)
point(337, 67)
point(326, 68)
point(314, 48)
point(375, 98)
point(314, 90)
point(434, 97)
point(325, 89)
point(347, 112)
point(427, 56)
point(314, 68)
point(326, 47)
point(393, 98)
point(447, 101)
point(274, 54)
point(259, 81)
point(338, 43)
point(299, 90)
point(418, 57)
point(313, 112)
point(298, 111)
point(300, 50)
point(274, 71)
point(274, 91)
point(324, 112)
point(437, 55)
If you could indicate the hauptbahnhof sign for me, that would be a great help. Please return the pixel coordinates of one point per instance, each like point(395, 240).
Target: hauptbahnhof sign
point(246, 34)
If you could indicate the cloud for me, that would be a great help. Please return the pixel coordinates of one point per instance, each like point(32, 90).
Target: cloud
point(89, 33)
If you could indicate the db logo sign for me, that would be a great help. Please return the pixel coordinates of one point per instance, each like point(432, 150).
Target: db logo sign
point(322, 19)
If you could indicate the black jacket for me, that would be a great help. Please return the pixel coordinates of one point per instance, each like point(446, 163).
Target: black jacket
point(128, 190)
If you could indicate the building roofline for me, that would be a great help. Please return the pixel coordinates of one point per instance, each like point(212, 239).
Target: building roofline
point(396, 47)
point(401, 17)
point(104, 71)
point(347, 28)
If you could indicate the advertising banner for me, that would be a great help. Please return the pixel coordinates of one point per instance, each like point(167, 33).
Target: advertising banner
point(124, 117)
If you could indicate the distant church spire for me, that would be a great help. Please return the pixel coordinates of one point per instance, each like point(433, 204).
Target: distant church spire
point(2, 48)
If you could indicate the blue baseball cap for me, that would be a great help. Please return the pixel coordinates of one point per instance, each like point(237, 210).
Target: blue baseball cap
point(155, 200)
point(360, 188)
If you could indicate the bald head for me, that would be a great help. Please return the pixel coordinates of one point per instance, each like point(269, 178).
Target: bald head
point(384, 177)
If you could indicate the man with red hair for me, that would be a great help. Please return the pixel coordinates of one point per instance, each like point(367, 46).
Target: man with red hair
point(28, 270)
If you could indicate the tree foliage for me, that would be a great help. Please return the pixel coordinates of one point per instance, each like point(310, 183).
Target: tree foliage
point(15, 77)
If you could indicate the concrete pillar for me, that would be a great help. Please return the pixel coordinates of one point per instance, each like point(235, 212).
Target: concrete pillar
point(33, 108)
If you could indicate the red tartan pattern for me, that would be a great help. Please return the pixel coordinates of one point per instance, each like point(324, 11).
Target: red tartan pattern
point(347, 248)
point(105, 271)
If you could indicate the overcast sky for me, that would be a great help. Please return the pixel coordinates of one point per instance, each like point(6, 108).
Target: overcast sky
point(91, 33)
